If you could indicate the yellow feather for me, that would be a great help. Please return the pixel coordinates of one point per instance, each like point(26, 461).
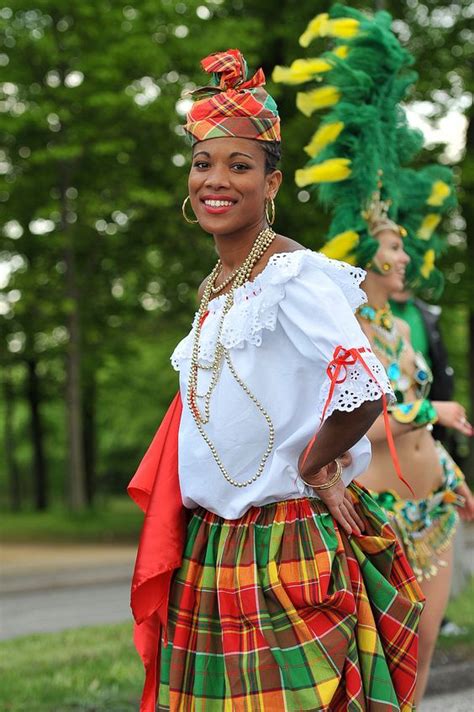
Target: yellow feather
point(428, 263)
point(341, 246)
point(323, 136)
point(439, 192)
point(429, 224)
point(310, 101)
point(345, 28)
point(316, 28)
point(322, 26)
point(287, 75)
point(342, 51)
point(330, 171)
point(314, 65)
point(300, 71)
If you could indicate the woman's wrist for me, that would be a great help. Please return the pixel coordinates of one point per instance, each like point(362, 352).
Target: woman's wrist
point(325, 477)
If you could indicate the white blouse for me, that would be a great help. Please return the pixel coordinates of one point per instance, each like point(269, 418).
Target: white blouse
point(281, 333)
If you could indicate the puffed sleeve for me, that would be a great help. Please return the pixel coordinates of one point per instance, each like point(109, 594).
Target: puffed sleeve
point(317, 314)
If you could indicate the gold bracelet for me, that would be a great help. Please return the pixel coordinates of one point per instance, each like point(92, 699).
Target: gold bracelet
point(335, 478)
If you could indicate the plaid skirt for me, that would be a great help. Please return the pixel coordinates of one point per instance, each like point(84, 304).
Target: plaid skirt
point(280, 610)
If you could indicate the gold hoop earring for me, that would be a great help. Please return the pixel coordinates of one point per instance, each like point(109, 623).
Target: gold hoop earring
point(271, 203)
point(183, 210)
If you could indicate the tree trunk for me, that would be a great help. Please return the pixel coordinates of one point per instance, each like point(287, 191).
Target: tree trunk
point(76, 471)
point(40, 477)
point(468, 213)
point(90, 435)
point(469, 466)
point(13, 473)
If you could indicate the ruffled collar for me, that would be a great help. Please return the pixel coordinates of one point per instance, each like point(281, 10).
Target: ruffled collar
point(256, 303)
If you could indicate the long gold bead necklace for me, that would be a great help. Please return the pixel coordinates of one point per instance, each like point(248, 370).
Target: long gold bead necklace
point(239, 277)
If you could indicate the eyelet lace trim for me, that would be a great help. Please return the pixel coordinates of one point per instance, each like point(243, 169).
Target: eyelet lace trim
point(256, 303)
point(358, 387)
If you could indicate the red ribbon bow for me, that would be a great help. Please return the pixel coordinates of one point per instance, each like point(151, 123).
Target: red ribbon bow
point(337, 372)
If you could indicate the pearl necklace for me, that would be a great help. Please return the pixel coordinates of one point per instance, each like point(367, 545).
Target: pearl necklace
point(226, 282)
point(239, 277)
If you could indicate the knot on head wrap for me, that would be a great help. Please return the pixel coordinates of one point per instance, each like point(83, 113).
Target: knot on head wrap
point(229, 71)
point(233, 106)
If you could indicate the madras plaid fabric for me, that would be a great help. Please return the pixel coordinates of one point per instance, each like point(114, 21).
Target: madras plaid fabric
point(279, 610)
point(233, 105)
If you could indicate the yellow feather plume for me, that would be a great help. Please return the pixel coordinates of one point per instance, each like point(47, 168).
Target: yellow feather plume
point(342, 51)
point(428, 263)
point(429, 224)
point(287, 75)
point(330, 171)
point(341, 247)
point(322, 26)
point(345, 28)
point(323, 136)
point(314, 65)
point(310, 101)
point(316, 28)
point(439, 192)
point(300, 71)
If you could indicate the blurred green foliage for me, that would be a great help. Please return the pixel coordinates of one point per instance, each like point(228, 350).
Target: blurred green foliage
point(94, 252)
point(112, 520)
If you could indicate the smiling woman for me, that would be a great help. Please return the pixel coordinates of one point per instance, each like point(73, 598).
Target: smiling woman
point(286, 589)
point(228, 178)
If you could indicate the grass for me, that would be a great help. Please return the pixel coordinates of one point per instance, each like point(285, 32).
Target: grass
point(118, 520)
point(461, 611)
point(85, 670)
point(98, 670)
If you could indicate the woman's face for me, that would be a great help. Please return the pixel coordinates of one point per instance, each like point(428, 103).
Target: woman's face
point(228, 185)
point(392, 260)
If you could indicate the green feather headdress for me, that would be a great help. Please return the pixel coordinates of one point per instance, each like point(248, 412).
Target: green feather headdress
point(360, 152)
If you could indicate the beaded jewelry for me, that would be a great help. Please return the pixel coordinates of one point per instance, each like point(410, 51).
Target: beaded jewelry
point(239, 277)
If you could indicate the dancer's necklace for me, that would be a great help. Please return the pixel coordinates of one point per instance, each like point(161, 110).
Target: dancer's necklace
point(241, 275)
point(388, 342)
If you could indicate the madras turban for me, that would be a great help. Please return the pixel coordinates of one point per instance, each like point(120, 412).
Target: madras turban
point(233, 106)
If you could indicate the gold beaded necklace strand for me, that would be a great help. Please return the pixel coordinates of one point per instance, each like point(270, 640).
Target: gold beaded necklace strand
point(239, 277)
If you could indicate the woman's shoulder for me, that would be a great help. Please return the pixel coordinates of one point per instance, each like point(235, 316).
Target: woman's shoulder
point(280, 245)
point(317, 275)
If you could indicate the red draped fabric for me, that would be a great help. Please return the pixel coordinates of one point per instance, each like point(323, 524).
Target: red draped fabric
point(155, 488)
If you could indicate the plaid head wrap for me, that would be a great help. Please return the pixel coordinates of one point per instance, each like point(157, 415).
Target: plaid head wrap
point(233, 106)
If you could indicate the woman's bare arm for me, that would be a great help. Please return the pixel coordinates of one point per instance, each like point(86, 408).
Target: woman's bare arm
point(377, 434)
point(338, 434)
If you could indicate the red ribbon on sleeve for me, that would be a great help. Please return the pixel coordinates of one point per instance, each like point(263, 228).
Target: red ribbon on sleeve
point(337, 372)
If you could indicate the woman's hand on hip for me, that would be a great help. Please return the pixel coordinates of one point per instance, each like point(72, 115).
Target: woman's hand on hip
point(337, 498)
point(466, 512)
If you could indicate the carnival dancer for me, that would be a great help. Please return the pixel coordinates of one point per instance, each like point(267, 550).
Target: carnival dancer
point(384, 219)
point(287, 588)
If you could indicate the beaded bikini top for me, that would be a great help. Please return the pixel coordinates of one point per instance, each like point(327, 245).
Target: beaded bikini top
point(389, 343)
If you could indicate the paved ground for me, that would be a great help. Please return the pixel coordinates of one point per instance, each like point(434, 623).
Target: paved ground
point(452, 702)
point(46, 589)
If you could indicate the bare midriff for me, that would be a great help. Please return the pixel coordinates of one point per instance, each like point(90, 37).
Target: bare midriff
point(419, 463)
point(416, 449)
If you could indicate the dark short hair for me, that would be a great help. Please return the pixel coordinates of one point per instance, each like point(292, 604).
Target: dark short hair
point(272, 150)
